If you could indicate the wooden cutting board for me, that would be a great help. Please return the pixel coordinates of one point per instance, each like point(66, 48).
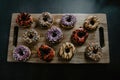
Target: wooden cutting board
point(79, 55)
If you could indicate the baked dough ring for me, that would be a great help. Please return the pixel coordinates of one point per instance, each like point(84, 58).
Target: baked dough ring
point(21, 53)
point(93, 52)
point(31, 36)
point(68, 21)
point(67, 51)
point(45, 52)
point(24, 19)
point(45, 20)
point(91, 23)
point(79, 36)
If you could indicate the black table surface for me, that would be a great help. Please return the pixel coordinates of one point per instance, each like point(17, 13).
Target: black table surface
point(19, 71)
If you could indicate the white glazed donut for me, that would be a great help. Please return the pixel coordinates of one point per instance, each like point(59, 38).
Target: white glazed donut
point(67, 51)
point(91, 23)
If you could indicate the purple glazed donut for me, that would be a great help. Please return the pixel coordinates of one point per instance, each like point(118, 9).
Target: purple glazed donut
point(21, 53)
point(54, 35)
point(68, 21)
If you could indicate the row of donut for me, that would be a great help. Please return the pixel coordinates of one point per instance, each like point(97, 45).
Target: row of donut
point(54, 35)
point(46, 20)
point(66, 52)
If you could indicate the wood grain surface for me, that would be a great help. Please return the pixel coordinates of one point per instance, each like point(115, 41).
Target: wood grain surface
point(78, 57)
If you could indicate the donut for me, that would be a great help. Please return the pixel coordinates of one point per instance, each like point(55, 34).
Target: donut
point(21, 53)
point(30, 36)
point(24, 19)
point(79, 36)
point(68, 21)
point(45, 52)
point(45, 20)
point(67, 51)
point(54, 35)
point(91, 23)
point(93, 52)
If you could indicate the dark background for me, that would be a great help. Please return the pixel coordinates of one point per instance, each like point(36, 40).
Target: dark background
point(19, 71)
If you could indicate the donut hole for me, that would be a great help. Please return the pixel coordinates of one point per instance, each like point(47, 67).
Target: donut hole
point(44, 51)
point(45, 18)
point(25, 17)
point(67, 50)
point(30, 36)
point(92, 22)
point(95, 50)
point(68, 19)
point(54, 34)
point(81, 34)
point(21, 52)
point(45, 26)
